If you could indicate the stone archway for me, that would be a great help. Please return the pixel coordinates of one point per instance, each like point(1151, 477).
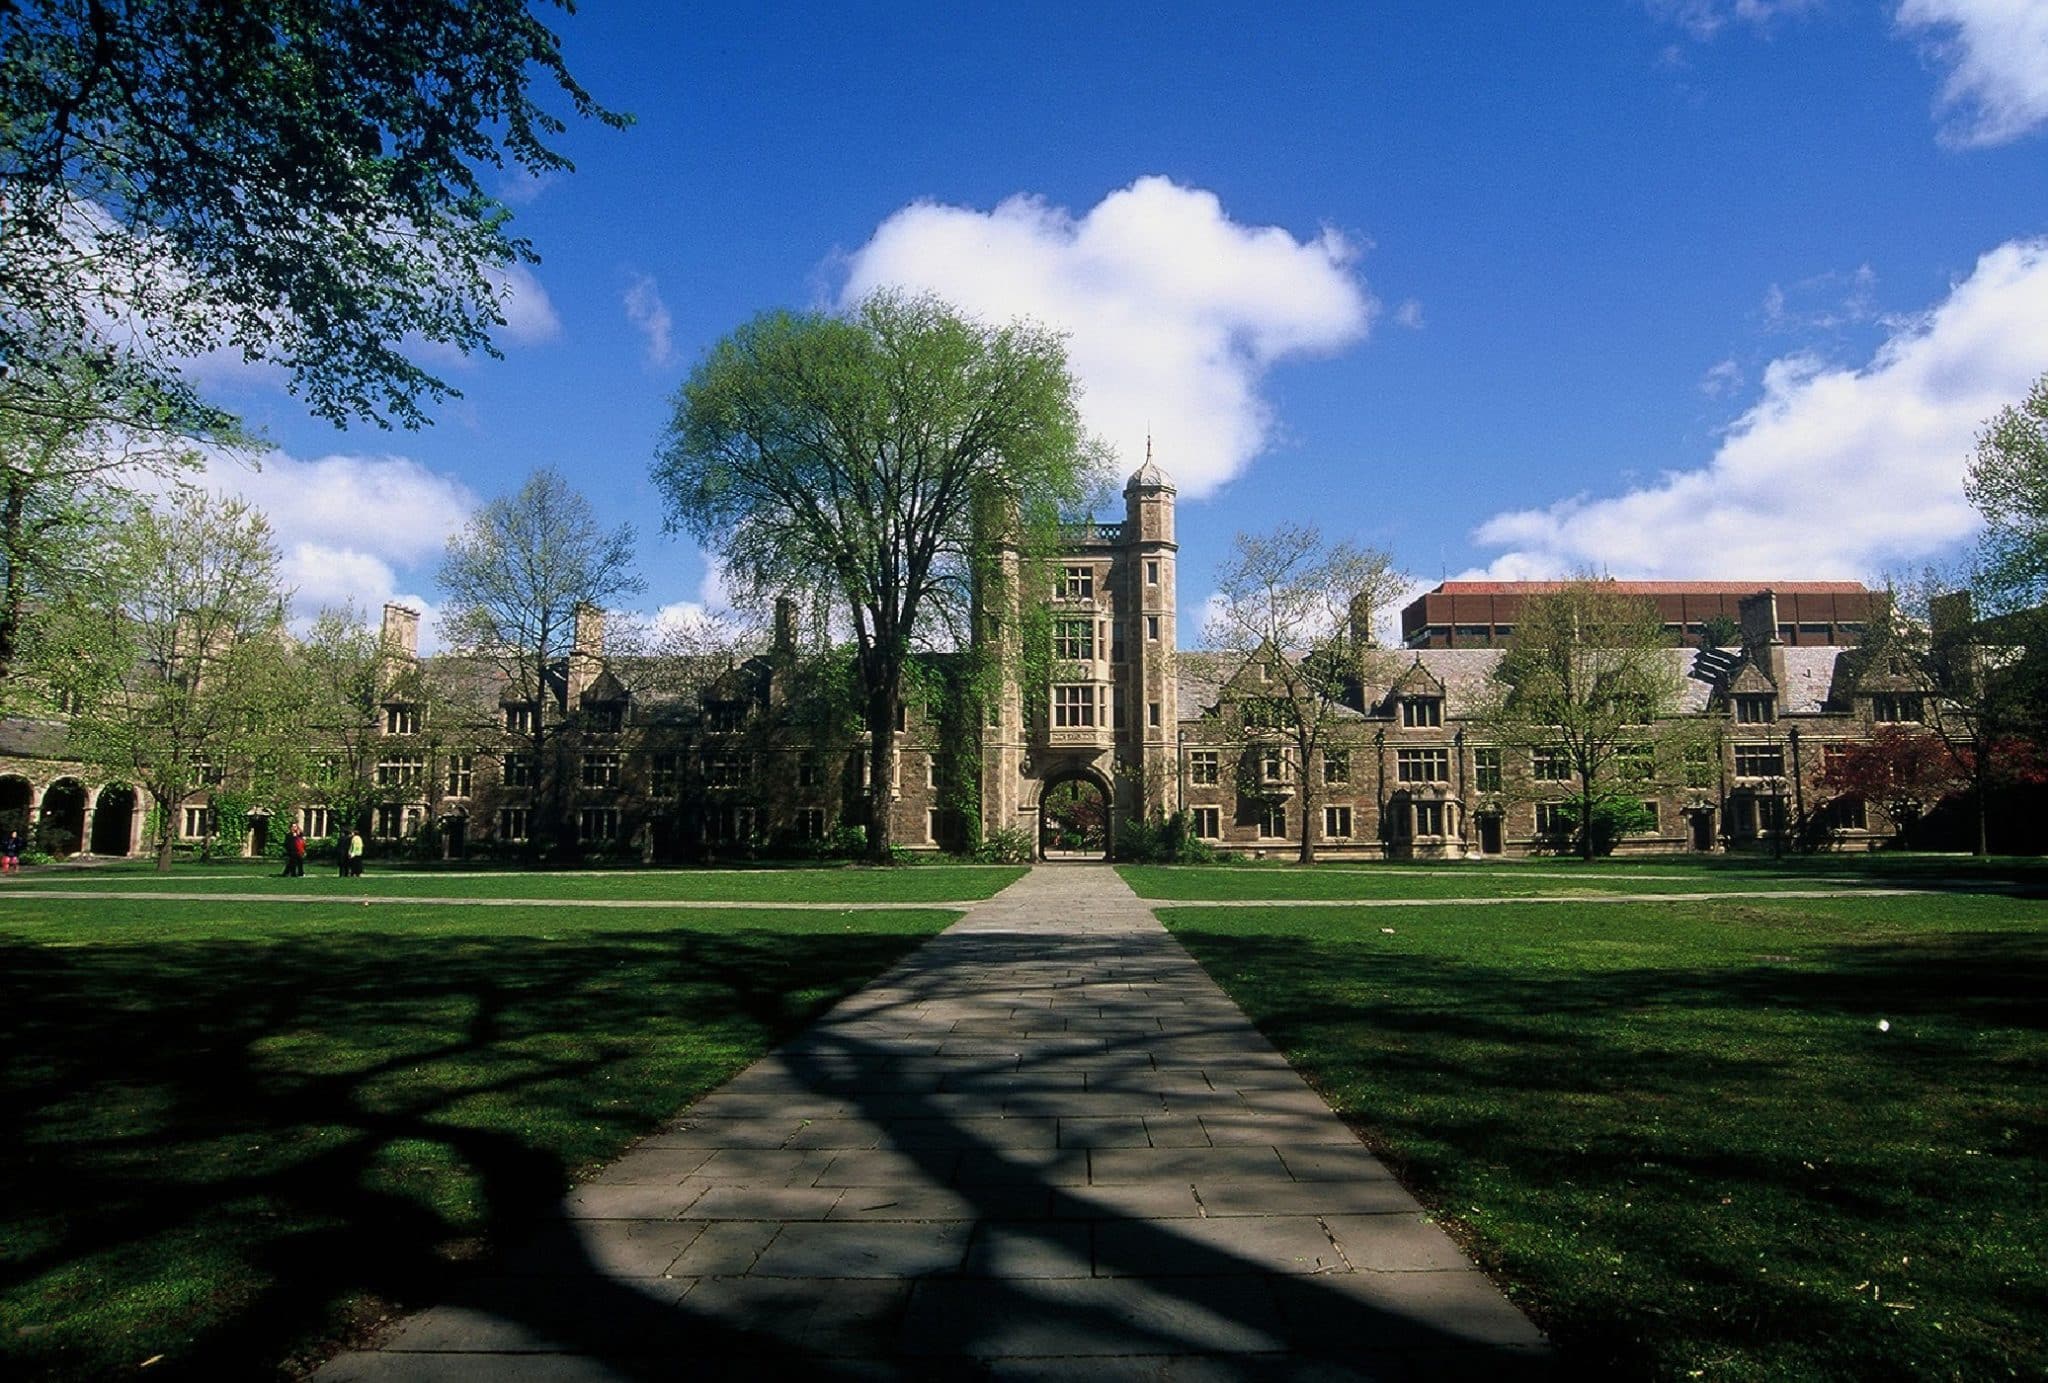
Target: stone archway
point(1076, 816)
point(60, 825)
point(113, 820)
point(17, 805)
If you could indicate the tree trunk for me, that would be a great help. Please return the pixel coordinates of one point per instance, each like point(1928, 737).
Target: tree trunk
point(1308, 810)
point(1586, 818)
point(881, 718)
point(166, 831)
point(1980, 789)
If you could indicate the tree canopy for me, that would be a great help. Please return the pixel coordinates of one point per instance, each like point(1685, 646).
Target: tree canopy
point(298, 181)
point(514, 579)
point(2008, 484)
point(1587, 675)
point(880, 457)
point(1304, 608)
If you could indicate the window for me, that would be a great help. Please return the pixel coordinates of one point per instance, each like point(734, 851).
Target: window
point(605, 718)
point(1770, 814)
point(1635, 762)
point(1074, 639)
point(390, 822)
point(600, 770)
point(1267, 713)
point(315, 821)
point(931, 825)
point(1209, 823)
point(407, 772)
point(1073, 706)
point(1756, 708)
point(1203, 767)
point(724, 717)
point(1894, 709)
point(1486, 770)
point(725, 770)
point(1337, 767)
point(209, 775)
point(1273, 823)
point(1651, 818)
point(1429, 818)
point(1699, 766)
point(461, 774)
point(519, 770)
point(1152, 629)
point(1553, 819)
point(1116, 704)
point(1079, 583)
point(1759, 761)
point(597, 824)
point(931, 770)
point(902, 716)
point(1152, 714)
point(1272, 766)
point(1422, 765)
point(1152, 572)
point(810, 823)
point(519, 720)
point(727, 824)
point(661, 775)
point(1337, 823)
point(512, 823)
point(199, 822)
point(1550, 766)
point(401, 720)
point(1845, 814)
point(807, 772)
point(69, 703)
point(1422, 712)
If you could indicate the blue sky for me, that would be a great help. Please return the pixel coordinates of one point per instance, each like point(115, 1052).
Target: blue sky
point(1669, 288)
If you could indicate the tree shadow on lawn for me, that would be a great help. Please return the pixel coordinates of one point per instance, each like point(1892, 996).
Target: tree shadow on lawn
point(1758, 1101)
point(307, 1120)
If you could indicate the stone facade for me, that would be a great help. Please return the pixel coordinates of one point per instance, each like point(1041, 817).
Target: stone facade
point(660, 761)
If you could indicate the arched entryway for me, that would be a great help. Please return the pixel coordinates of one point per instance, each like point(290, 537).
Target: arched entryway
point(1075, 818)
point(60, 827)
point(113, 820)
point(17, 805)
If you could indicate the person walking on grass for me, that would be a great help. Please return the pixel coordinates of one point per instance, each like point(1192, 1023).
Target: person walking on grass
point(295, 854)
point(10, 853)
point(353, 866)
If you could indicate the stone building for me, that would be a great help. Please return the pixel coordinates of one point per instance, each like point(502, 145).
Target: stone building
point(659, 760)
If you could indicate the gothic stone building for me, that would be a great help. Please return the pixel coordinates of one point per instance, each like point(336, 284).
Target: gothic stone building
point(656, 760)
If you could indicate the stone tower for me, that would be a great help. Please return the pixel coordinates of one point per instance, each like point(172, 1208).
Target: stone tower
point(1110, 714)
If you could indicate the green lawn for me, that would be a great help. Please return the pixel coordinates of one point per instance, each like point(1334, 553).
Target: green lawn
point(1678, 1131)
point(1530, 879)
point(930, 884)
point(235, 1129)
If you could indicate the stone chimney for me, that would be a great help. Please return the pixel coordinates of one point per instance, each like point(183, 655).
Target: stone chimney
point(1361, 616)
point(1758, 616)
point(785, 624)
point(586, 656)
point(401, 631)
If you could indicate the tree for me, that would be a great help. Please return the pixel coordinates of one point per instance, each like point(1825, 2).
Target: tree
point(2008, 483)
point(343, 668)
point(879, 458)
point(176, 660)
point(1586, 677)
point(515, 578)
point(75, 439)
point(1304, 609)
point(1904, 769)
point(298, 180)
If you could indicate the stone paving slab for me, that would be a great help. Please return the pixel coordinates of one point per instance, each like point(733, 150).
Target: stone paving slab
point(1044, 1146)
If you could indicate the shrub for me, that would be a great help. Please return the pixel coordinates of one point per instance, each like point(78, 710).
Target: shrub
point(1005, 845)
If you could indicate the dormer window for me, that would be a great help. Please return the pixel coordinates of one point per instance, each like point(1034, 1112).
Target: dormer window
point(1079, 583)
point(519, 720)
point(1422, 712)
point(606, 717)
point(1756, 708)
point(725, 716)
point(401, 720)
point(1894, 708)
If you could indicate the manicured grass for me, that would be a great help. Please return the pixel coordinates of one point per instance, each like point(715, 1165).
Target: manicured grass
point(238, 1130)
point(1677, 1130)
point(931, 884)
point(1536, 878)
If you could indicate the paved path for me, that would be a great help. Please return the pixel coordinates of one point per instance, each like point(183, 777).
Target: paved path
point(1044, 1146)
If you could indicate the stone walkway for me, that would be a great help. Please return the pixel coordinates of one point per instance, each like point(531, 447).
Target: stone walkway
point(1044, 1146)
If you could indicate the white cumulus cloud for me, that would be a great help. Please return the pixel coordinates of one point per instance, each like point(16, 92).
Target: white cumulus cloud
point(1173, 311)
point(1995, 52)
point(1834, 471)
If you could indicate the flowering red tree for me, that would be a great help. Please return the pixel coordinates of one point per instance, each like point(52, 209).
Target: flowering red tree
point(1904, 771)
